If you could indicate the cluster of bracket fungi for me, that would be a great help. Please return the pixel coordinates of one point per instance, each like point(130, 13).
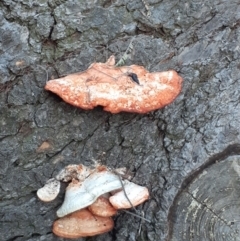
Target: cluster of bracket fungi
point(93, 196)
point(127, 88)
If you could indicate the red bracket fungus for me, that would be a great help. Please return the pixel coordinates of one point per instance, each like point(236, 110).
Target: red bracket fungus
point(102, 207)
point(127, 88)
point(93, 196)
point(82, 223)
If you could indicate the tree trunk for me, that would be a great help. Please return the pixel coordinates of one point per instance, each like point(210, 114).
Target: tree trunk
point(187, 153)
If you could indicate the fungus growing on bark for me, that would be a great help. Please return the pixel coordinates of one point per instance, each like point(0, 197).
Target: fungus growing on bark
point(127, 88)
point(102, 207)
point(79, 172)
point(89, 200)
point(82, 194)
point(131, 196)
point(82, 223)
point(49, 191)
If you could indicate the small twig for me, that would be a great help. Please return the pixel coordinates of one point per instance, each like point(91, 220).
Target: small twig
point(105, 74)
point(140, 225)
point(119, 176)
point(125, 55)
point(136, 215)
point(146, 5)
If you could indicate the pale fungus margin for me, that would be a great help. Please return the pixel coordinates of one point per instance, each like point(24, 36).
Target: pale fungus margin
point(92, 197)
point(127, 88)
point(49, 191)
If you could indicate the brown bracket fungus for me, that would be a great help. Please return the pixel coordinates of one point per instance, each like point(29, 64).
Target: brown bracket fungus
point(127, 88)
point(102, 207)
point(82, 223)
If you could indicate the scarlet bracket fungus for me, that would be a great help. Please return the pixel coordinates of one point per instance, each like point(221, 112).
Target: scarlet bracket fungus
point(102, 207)
point(82, 223)
point(128, 88)
point(91, 188)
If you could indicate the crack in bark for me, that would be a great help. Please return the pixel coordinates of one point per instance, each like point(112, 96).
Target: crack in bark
point(209, 209)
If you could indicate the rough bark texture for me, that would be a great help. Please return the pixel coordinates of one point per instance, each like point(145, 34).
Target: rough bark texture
point(187, 154)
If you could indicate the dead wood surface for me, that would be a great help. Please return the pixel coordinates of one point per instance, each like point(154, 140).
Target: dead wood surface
point(187, 154)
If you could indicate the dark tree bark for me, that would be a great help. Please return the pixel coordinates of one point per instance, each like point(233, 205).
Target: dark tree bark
point(187, 154)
